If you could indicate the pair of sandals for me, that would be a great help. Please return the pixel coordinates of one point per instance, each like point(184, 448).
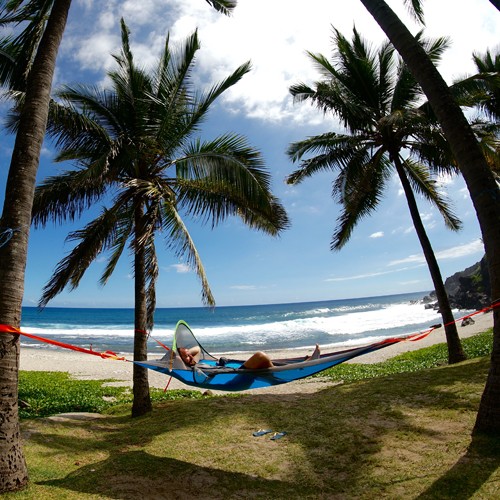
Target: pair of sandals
point(274, 437)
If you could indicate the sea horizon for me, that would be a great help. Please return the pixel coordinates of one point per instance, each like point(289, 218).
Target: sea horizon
point(423, 293)
point(268, 327)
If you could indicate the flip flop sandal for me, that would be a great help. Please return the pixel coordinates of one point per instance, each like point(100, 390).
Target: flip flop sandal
point(261, 432)
point(278, 435)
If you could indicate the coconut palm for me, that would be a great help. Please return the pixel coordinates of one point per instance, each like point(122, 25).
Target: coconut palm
point(484, 192)
point(137, 150)
point(33, 52)
point(377, 102)
point(35, 79)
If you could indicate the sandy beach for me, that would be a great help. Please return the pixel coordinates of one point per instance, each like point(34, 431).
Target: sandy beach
point(84, 366)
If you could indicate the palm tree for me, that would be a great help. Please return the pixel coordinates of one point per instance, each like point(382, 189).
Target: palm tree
point(36, 80)
point(377, 104)
point(484, 192)
point(43, 23)
point(136, 149)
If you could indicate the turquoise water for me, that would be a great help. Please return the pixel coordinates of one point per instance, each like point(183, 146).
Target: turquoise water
point(241, 328)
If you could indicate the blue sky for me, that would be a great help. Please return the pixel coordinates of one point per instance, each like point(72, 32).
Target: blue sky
point(245, 267)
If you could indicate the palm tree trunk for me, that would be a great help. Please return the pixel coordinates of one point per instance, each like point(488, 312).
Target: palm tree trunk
point(142, 400)
point(483, 189)
point(455, 351)
point(16, 215)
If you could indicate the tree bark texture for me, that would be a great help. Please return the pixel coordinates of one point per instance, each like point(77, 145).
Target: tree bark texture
point(481, 184)
point(16, 216)
point(455, 350)
point(142, 400)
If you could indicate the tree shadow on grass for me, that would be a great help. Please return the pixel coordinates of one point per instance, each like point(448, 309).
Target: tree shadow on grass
point(121, 476)
point(469, 473)
point(328, 432)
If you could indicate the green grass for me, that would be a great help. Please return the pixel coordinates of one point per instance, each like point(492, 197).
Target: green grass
point(413, 361)
point(400, 435)
point(49, 393)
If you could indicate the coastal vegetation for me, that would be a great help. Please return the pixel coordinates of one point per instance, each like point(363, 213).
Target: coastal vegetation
point(136, 149)
point(393, 436)
point(473, 166)
point(377, 101)
point(47, 21)
point(28, 62)
point(48, 393)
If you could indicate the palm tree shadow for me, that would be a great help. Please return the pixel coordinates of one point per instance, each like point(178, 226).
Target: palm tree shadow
point(330, 427)
point(470, 472)
point(117, 477)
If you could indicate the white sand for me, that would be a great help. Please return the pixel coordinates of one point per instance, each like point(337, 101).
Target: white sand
point(84, 366)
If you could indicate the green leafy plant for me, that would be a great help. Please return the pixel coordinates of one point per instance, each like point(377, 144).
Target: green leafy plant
point(428, 357)
point(48, 393)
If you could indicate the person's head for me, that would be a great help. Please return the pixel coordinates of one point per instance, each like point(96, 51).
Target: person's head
point(188, 355)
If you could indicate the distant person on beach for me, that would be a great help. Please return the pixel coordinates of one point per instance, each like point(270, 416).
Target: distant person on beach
point(258, 361)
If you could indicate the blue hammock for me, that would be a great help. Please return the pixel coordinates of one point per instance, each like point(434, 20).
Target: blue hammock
point(232, 377)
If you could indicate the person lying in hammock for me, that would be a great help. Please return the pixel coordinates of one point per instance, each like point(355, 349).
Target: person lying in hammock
point(257, 361)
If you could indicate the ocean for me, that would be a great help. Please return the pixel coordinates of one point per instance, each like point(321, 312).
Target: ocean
point(331, 324)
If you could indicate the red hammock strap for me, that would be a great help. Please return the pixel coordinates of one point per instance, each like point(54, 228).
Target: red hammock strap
point(112, 355)
point(168, 383)
point(105, 354)
point(144, 332)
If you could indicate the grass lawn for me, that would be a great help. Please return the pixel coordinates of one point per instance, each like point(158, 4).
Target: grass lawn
point(397, 435)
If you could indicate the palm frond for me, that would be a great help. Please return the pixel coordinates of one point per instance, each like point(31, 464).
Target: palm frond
point(301, 92)
point(430, 147)
point(359, 191)
point(424, 184)
point(32, 15)
point(205, 100)
point(94, 238)
point(225, 177)
point(415, 9)
point(122, 234)
point(66, 196)
point(181, 243)
point(224, 6)
point(330, 150)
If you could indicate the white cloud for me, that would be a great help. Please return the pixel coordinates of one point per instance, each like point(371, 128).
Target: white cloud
point(471, 248)
point(370, 275)
point(464, 192)
point(378, 234)
point(274, 36)
point(243, 287)
point(474, 247)
point(181, 268)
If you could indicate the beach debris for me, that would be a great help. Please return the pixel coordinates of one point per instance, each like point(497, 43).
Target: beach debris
point(278, 435)
point(262, 432)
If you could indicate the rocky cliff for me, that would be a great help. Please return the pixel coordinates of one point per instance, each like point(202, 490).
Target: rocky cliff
point(467, 289)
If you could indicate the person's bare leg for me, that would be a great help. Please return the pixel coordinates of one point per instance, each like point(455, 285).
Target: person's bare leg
point(315, 355)
point(258, 361)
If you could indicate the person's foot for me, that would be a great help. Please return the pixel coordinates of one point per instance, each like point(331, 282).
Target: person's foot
point(316, 353)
